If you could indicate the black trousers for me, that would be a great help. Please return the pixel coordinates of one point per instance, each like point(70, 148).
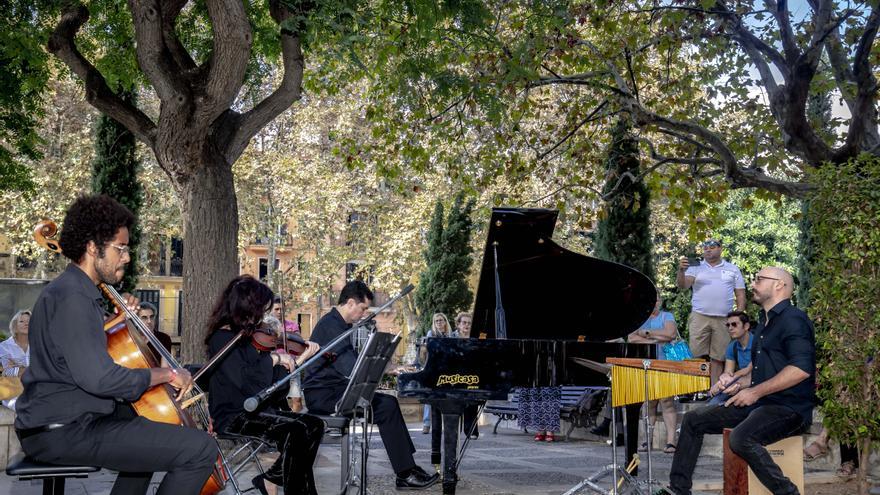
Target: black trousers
point(752, 430)
point(297, 437)
point(386, 415)
point(134, 446)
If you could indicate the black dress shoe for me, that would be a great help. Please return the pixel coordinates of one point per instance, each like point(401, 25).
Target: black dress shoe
point(416, 480)
point(602, 428)
point(259, 483)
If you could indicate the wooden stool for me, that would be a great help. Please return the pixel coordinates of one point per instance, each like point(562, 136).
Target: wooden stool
point(739, 479)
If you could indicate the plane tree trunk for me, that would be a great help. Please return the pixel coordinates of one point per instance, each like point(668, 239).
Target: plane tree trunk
point(197, 136)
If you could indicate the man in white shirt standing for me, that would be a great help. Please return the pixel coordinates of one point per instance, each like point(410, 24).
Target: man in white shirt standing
point(717, 284)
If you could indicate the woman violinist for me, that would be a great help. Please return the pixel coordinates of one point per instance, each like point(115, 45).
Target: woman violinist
point(246, 369)
point(75, 408)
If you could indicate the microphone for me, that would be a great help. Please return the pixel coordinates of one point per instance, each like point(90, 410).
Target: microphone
point(251, 403)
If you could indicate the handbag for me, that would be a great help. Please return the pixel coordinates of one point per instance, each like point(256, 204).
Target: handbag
point(677, 350)
point(10, 386)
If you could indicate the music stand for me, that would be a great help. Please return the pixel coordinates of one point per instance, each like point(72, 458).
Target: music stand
point(365, 377)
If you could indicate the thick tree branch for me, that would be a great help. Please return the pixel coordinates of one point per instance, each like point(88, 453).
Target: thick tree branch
point(152, 56)
point(783, 20)
point(864, 111)
point(287, 92)
point(755, 47)
point(734, 173)
point(228, 62)
point(98, 94)
point(170, 10)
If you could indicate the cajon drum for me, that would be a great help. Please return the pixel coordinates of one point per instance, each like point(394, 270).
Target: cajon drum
point(739, 478)
point(788, 454)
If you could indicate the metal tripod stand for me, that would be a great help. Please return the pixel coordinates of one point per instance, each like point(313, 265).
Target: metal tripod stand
point(623, 483)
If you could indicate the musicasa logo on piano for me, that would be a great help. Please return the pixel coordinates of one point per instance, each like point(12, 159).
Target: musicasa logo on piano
point(469, 380)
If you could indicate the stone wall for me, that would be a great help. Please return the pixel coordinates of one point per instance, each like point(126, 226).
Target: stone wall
point(9, 445)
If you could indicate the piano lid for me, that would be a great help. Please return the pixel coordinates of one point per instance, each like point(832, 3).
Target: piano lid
point(549, 292)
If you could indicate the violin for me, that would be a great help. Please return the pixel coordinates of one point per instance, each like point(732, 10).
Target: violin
point(264, 339)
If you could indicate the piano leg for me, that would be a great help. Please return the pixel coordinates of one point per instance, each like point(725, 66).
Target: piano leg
point(436, 435)
point(632, 433)
point(451, 411)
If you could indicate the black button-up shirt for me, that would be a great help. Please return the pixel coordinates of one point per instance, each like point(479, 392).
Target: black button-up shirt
point(71, 373)
point(335, 370)
point(784, 337)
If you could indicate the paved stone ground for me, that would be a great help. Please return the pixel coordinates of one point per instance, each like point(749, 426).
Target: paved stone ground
point(507, 463)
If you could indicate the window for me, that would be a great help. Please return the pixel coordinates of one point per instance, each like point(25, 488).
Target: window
point(175, 267)
point(149, 295)
point(351, 271)
point(305, 323)
point(264, 267)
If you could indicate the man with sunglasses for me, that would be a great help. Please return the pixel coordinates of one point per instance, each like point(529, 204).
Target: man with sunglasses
point(737, 360)
point(717, 284)
point(778, 402)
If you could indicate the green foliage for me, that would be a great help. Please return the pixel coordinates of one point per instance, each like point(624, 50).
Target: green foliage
point(624, 231)
point(114, 172)
point(443, 285)
point(845, 211)
point(806, 257)
point(759, 231)
point(819, 112)
point(24, 75)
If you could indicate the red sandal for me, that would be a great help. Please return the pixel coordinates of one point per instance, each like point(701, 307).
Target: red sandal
point(540, 437)
point(549, 437)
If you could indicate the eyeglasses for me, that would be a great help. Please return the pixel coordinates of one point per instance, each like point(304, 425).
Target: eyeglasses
point(758, 278)
point(123, 250)
point(711, 244)
point(732, 325)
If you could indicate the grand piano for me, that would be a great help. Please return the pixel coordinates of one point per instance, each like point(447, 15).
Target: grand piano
point(537, 306)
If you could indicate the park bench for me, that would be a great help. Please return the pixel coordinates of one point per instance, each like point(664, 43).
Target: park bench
point(569, 401)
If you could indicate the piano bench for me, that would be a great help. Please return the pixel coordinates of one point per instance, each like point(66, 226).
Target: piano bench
point(53, 475)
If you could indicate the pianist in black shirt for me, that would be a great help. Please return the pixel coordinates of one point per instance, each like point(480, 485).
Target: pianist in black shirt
point(247, 369)
point(324, 386)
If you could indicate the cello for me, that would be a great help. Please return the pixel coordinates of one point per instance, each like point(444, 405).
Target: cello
point(127, 338)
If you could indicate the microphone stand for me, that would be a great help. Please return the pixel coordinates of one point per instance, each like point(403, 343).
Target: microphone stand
point(251, 403)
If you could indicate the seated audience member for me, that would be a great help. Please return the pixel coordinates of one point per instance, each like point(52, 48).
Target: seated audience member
point(470, 419)
point(14, 354)
point(737, 359)
point(249, 368)
point(439, 328)
point(325, 384)
point(849, 454)
point(148, 313)
point(538, 409)
point(777, 402)
point(659, 329)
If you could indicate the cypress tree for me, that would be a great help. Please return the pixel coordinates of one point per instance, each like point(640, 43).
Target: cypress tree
point(443, 285)
point(624, 232)
point(114, 173)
